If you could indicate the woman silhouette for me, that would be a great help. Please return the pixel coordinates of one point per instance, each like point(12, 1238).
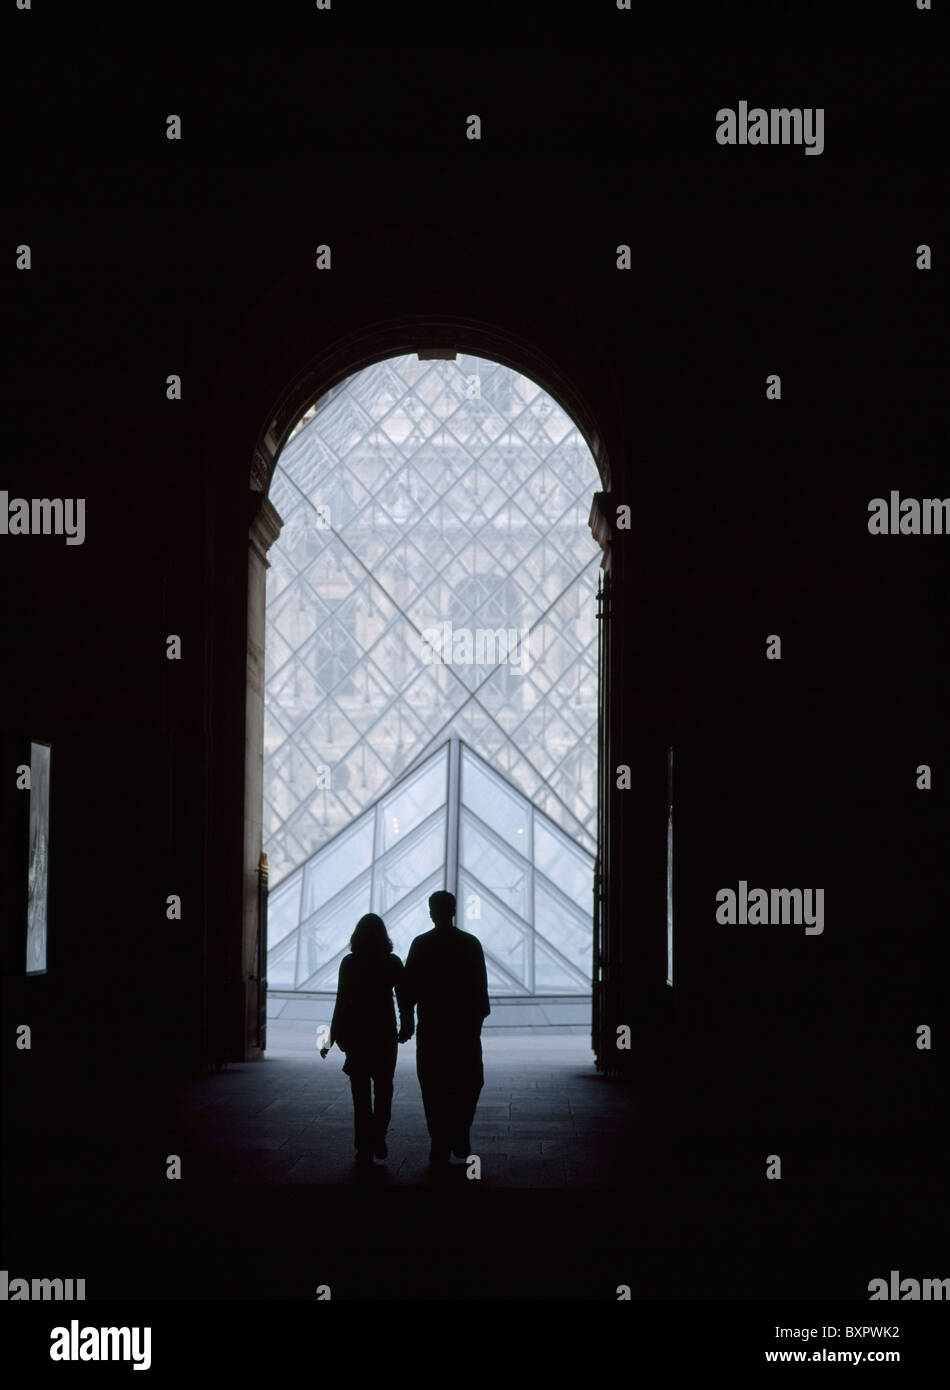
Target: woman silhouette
point(364, 1027)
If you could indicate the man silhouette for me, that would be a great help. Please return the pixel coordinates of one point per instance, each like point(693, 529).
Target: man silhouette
point(446, 979)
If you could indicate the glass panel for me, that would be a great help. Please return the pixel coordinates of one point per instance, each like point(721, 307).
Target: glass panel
point(400, 871)
point(309, 824)
point(500, 871)
point(403, 574)
point(296, 614)
point(274, 732)
point(499, 983)
point(563, 863)
point(510, 606)
point(360, 775)
point(341, 422)
point(327, 735)
point(304, 536)
point(573, 783)
point(560, 923)
point(284, 493)
point(331, 655)
point(543, 498)
point(326, 979)
point(410, 804)
point(398, 653)
point(397, 737)
point(501, 936)
point(510, 537)
point(296, 772)
point(406, 498)
point(330, 930)
point(291, 696)
point(473, 726)
point(436, 695)
point(509, 696)
point(283, 909)
point(495, 804)
point(554, 976)
point(545, 737)
point(306, 460)
point(282, 964)
point(551, 655)
point(509, 762)
point(277, 654)
point(546, 801)
point(330, 870)
point(363, 695)
point(365, 616)
point(411, 918)
point(284, 852)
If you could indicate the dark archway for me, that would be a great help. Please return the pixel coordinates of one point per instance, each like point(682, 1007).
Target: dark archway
point(536, 567)
point(435, 334)
point(393, 290)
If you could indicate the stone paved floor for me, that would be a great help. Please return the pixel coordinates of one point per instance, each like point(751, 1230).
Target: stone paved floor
point(542, 1112)
point(585, 1184)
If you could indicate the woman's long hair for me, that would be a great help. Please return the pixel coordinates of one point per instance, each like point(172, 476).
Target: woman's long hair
point(370, 937)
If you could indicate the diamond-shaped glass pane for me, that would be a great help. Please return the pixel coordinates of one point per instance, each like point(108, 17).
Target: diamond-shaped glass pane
point(509, 696)
point(359, 775)
point(506, 875)
point(563, 863)
point(505, 939)
point(554, 975)
point(342, 860)
point(494, 803)
point(283, 909)
point(397, 736)
point(327, 978)
point(304, 536)
point(329, 931)
point(282, 964)
point(417, 798)
point(400, 871)
point(560, 923)
point(296, 613)
point(411, 916)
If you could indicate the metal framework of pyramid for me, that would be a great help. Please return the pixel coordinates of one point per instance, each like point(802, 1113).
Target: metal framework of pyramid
point(521, 886)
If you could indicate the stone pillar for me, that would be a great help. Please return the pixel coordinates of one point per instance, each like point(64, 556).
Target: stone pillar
point(264, 530)
point(604, 964)
point(599, 523)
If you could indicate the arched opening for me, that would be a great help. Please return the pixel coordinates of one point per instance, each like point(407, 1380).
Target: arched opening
point(533, 574)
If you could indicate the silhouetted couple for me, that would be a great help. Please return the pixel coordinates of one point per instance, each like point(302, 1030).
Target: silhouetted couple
point(445, 978)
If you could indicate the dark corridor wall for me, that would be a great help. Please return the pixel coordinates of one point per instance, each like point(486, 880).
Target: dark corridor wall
point(749, 516)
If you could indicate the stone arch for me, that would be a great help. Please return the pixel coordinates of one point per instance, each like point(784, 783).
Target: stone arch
point(415, 333)
point(376, 340)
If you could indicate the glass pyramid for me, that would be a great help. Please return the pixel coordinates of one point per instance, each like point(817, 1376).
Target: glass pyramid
point(435, 578)
point(522, 886)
